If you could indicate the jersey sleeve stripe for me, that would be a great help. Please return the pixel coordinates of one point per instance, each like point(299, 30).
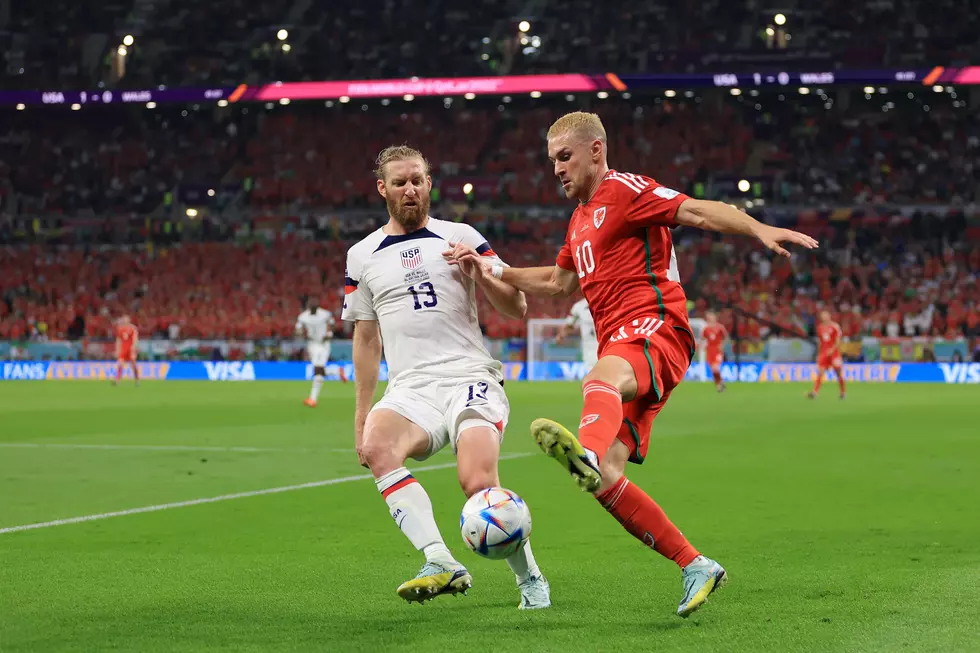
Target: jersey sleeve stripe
point(485, 250)
point(629, 184)
point(350, 285)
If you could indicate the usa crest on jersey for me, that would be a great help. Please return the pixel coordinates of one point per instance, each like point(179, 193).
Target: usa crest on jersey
point(599, 216)
point(411, 258)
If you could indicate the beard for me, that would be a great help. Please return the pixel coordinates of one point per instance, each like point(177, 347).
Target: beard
point(409, 217)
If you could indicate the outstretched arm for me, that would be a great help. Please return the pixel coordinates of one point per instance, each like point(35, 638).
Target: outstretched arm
point(726, 219)
point(505, 298)
point(551, 280)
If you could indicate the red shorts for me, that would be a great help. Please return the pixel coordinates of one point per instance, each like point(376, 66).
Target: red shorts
point(715, 359)
point(659, 365)
point(126, 355)
point(829, 359)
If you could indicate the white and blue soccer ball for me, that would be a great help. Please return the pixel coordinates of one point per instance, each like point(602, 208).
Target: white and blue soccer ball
point(495, 523)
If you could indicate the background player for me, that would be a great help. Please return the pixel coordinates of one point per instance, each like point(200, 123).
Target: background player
point(581, 317)
point(127, 337)
point(829, 335)
point(715, 335)
point(444, 387)
point(618, 249)
point(316, 325)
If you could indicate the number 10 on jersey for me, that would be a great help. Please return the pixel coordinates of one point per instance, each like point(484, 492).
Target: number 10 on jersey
point(584, 259)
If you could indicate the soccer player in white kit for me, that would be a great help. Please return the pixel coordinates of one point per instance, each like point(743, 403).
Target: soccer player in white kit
point(444, 388)
point(580, 316)
point(316, 325)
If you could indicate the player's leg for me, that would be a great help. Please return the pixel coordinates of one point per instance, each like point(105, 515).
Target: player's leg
point(390, 438)
point(643, 518)
point(120, 366)
point(839, 371)
point(716, 361)
point(590, 354)
point(821, 370)
point(133, 363)
point(603, 390)
point(480, 425)
point(318, 359)
point(632, 507)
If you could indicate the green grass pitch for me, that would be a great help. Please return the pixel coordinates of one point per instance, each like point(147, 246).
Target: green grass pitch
point(845, 526)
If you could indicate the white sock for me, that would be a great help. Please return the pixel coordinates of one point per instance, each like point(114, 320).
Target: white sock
point(317, 384)
point(411, 509)
point(522, 563)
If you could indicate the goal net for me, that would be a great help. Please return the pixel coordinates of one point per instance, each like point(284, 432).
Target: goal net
point(548, 360)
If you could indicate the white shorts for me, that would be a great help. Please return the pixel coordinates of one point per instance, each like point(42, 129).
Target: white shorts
point(319, 353)
point(445, 407)
point(590, 354)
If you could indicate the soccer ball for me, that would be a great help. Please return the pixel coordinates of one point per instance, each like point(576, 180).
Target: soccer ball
point(495, 523)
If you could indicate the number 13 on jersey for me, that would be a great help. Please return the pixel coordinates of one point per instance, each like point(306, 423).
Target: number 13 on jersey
point(584, 259)
point(424, 296)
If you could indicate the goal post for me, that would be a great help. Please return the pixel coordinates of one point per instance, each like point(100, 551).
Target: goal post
point(549, 361)
point(543, 352)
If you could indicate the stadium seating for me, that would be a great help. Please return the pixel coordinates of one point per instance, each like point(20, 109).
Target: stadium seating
point(93, 203)
point(125, 160)
point(232, 41)
point(913, 278)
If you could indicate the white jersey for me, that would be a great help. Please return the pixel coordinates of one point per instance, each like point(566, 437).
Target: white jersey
point(581, 316)
point(316, 325)
point(426, 309)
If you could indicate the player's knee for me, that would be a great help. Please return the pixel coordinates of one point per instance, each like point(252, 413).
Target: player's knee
point(476, 482)
point(477, 452)
point(380, 452)
point(614, 371)
point(613, 465)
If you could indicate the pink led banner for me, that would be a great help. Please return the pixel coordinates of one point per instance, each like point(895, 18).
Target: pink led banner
point(422, 87)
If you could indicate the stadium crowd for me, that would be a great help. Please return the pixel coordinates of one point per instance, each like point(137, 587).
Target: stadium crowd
point(216, 222)
point(882, 277)
point(133, 161)
point(63, 43)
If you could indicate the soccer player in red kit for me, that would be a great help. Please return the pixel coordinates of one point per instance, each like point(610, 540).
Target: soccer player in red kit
point(715, 334)
point(618, 250)
point(829, 335)
point(127, 336)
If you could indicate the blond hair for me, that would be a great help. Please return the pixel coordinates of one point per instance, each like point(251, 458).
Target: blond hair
point(397, 153)
point(582, 124)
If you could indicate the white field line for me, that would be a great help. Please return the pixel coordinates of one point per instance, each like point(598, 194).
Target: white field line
point(163, 447)
point(225, 497)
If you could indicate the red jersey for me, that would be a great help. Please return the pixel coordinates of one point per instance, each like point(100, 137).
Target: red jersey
point(715, 335)
point(619, 244)
point(829, 335)
point(126, 335)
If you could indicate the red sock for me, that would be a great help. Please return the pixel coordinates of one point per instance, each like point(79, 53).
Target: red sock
point(119, 371)
point(716, 376)
point(647, 522)
point(840, 378)
point(602, 417)
point(343, 374)
point(818, 382)
point(136, 371)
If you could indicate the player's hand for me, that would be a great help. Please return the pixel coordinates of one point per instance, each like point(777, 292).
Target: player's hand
point(771, 237)
point(360, 457)
point(359, 441)
point(470, 263)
